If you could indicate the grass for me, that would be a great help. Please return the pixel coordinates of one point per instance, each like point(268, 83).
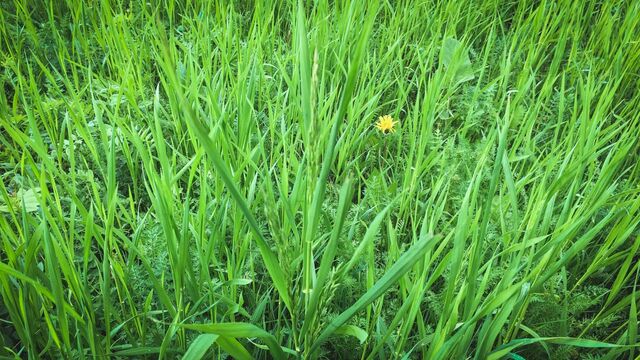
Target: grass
point(184, 179)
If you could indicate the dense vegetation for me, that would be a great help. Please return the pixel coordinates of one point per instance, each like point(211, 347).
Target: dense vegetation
point(206, 179)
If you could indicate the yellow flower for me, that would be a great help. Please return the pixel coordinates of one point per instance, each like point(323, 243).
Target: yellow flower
point(386, 124)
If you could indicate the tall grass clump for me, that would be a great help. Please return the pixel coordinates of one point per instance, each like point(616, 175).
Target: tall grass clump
point(319, 179)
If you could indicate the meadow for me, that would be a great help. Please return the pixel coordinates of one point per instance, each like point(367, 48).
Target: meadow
point(288, 179)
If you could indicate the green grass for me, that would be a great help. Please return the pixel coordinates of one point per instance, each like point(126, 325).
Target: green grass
point(204, 179)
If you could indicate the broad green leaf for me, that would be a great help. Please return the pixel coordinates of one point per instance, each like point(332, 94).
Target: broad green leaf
point(585, 343)
point(354, 331)
point(234, 348)
point(239, 330)
point(137, 351)
point(23, 199)
point(455, 57)
point(199, 346)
